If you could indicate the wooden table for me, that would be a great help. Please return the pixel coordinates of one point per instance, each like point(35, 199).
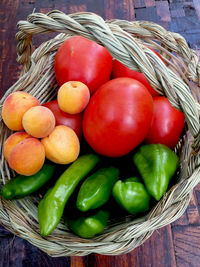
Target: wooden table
point(177, 244)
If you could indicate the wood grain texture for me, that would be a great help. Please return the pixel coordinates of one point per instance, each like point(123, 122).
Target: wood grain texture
point(174, 245)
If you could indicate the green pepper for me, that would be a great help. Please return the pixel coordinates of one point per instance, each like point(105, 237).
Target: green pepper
point(51, 207)
point(89, 226)
point(96, 189)
point(131, 195)
point(156, 164)
point(22, 186)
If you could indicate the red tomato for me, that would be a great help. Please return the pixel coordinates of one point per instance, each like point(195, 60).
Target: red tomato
point(118, 117)
point(119, 70)
point(62, 118)
point(79, 59)
point(167, 123)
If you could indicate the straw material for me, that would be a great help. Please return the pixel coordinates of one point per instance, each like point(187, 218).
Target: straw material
point(127, 42)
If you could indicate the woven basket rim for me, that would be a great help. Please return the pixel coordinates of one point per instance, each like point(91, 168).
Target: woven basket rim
point(127, 42)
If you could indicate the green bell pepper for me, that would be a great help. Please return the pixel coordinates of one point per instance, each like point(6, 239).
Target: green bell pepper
point(96, 189)
point(156, 164)
point(22, 186)
point(131, 195)
point(51, 207)
point(88, 226)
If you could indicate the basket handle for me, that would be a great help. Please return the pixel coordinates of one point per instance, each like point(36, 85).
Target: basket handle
point(123, 46)
point(54, 21)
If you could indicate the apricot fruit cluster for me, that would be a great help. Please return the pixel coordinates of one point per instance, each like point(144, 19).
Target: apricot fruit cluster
point(37, 135)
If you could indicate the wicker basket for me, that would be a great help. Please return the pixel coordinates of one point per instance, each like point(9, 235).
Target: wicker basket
point(128, 42)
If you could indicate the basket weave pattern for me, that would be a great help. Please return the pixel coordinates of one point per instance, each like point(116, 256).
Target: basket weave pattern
point(127, 42)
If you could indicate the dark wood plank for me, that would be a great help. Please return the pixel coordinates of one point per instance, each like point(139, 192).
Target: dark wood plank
point(186, 233)
point(139, 3)
point(8, 48)
point(119, 9)
point(158, 250)
point(149, 3)
point(163, 11)
point(79, 261)
point(174, 245)
point(15, 252)
point(145, 255)
point(148, 14)
point(197, 7)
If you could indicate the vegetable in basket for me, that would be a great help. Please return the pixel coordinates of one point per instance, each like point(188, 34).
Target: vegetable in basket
point(131, 195)
point(167, 123)
point(89, 226)
point(73, 121)
point(118, 117)
point(22, 186)
point(119, 70)
point(96, 189)
point(156, 164)
point(51, 207)
point(80, 59)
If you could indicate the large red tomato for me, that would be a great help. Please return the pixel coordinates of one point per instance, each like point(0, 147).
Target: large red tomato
point(167, 123)
point(119, 70)
point(79, 59)
point(62, 118)
point(118, 117)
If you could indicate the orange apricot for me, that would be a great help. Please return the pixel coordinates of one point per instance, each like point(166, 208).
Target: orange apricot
point(62, 145)
point(73, 97)
point(38, 121)
point(27, 157)
point(14, 107)
point(12, 141)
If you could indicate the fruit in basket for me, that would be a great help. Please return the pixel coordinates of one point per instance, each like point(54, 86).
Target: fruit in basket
point(79, 59)
point(119, 70)
point(156, 164)
point(131, 195)
point(51, 207)
point(27, 157)
point(73, 97)
point(73, 121)
point(167, 124)
point(88, 226)
point(14, 107)
point(12, 141)
point(96, 189)
point(62, 145)
point(118, 117)
point(38, 121)
point(22, 186)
